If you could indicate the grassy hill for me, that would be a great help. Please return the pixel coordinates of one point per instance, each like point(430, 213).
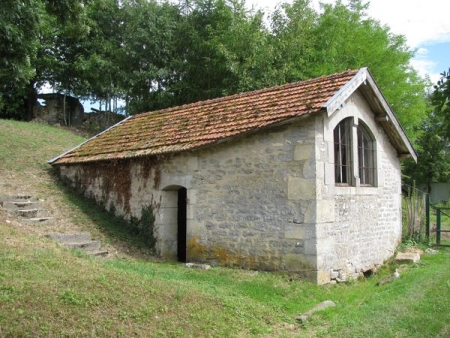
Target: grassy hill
point(48, 291)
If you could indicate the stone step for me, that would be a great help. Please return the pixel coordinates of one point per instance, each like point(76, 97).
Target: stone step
point(80, 237)
point(99, 253)
point(81, 241)
point(31, 213)
point(18, 197)
point(21, 205)
point(37, 220)
point(86, 246)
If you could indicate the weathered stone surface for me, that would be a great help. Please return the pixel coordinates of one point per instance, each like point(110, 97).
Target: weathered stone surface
point(79, 237)
point(80, 241)
point(320, 307)
point(198, 266)
point(21, 205)
point(407, 257)
point(250, 200)
point(37, 220)
point(431, 251)
point(303, 152)
point(301, 189)
point(52, 110)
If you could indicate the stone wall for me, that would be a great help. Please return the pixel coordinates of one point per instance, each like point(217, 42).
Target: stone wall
point(364, 226)
point(52, 110)
point(264, 201)
point(251, 201)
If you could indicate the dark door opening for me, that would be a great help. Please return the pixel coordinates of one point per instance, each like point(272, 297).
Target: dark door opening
point(181, 237)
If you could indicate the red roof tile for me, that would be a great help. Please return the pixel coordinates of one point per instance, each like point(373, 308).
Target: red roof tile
point(196, 125)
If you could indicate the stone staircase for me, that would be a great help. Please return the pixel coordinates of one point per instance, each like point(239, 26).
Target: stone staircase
point(80, 241)
point(27, 207)
point(30, 210)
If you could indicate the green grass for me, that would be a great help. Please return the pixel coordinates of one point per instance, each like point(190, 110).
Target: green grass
point(47, 291)
point(28, 146)
point(445, 224)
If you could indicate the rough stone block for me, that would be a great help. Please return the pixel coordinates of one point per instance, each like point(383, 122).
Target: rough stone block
point(325, 211)
point(296, 262)
point(407, 257)
point(294, 232)
point(310, 214)
point(301, 189)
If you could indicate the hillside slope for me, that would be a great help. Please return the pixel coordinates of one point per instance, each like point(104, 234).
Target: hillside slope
point(24, 152)
point(48, 291)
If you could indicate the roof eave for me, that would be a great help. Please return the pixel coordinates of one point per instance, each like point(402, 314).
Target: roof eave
point(386, 118)
point(209, 144)
point(55, 159)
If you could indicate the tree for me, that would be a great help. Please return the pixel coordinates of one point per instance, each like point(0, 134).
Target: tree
point(219, 44)
point(440, 100)
point(31, 55)
point(433, 141)
point(19, 26)
point(155, 54)
point(148, 55)
point(344, 37)
point(293, 34)
point(97, 63)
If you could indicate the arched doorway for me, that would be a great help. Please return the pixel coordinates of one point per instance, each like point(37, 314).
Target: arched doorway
point(181, 224)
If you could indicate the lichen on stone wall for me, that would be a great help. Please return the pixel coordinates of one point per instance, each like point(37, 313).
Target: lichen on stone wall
point(219, 255)
point(144, 227)
point(113, 179)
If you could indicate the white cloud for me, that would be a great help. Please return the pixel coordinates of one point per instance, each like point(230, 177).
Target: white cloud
point(419, 21)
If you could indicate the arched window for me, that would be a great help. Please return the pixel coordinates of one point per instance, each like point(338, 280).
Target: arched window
point(366, 156)
point(344, 144)
point(343, 152)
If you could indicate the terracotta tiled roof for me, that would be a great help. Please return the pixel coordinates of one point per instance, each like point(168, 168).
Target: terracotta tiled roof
point(206, 122)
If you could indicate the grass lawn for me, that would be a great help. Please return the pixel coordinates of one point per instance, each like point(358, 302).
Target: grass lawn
point(48, 291)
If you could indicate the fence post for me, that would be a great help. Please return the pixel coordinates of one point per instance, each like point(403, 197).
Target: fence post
point(438, 226)
point(427, 216)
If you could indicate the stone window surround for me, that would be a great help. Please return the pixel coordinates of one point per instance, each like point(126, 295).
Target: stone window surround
point(350, 109)
point(350, 166)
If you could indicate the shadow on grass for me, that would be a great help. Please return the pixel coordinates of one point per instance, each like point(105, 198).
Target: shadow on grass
point(113, 227)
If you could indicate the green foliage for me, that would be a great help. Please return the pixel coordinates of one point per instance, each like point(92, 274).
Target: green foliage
point(148, 56)
point(414, 216)
point(433, 139)
point(144, 227)
point(345, 37)
point(39, 39)
point(19, 28)
point(154, 54)
point(440, 100)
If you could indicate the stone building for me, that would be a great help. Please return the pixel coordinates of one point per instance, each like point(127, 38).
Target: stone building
point(59, 109)
point(303, 178)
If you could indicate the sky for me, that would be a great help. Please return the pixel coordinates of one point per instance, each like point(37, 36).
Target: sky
point(424, 23)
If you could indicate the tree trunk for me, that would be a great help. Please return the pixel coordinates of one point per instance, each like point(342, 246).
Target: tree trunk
point(30, 100)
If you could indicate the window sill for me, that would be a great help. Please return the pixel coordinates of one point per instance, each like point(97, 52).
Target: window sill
point(362, 190)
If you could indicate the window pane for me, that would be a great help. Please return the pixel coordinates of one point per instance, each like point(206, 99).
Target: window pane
point(366, 156)
point(342, 152)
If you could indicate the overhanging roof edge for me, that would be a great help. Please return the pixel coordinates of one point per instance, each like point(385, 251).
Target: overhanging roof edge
point(53, 160)
point(336, 101)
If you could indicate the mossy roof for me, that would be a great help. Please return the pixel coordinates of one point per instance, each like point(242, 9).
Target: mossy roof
point(204, 123)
